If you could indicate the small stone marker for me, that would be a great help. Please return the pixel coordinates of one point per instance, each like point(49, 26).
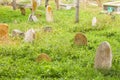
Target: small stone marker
point(80, 39)
point(47, 29)
point(3, 31)
point(43, 57)
point(33, 18)
point(94, 21)
point(17, 33)
point(49, 14)
point(29, 35)
point(103, 58)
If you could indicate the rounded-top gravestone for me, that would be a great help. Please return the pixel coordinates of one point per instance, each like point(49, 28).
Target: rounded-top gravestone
point(80, 39)
point(103, 58)
point(43, 57)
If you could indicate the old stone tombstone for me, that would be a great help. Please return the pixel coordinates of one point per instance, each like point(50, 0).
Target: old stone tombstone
point(43, 57)
point(80, 39)
point(29, 35)
point(17, 33)
point(103, 58)
point(94, 21)
point(49, 14)
point(3, 31)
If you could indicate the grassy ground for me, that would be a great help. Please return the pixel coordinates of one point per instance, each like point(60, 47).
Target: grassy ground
point(69, 62)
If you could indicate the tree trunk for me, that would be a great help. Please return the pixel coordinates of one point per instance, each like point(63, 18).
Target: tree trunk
point(57, 4)
point(14, 4)
point(99, 3)
point(34, 6)
point(77, 11)
point(46, 3)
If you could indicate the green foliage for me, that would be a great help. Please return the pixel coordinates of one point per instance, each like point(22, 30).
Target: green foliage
point(69, 62)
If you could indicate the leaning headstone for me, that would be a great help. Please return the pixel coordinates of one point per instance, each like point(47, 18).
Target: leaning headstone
point(17, 33)
point(49, 14)
point(3, 31)
point(29, 35)
point(94, 21)
point(103, 58)
point(80, 39)
point(43, 57)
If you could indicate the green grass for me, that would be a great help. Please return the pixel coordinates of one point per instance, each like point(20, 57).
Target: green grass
point(69, 62)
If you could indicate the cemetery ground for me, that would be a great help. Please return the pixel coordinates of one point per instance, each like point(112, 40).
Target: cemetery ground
point(69, 62)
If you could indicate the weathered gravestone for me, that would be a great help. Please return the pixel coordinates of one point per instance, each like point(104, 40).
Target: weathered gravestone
point(94, 21)
point(80, 39)
point(43, 57)
point(103, 58)
point(17, 33)
point(49, 14)
point(29, 35)
point(3, 31)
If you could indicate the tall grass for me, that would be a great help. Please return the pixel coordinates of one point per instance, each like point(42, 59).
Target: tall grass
point(69, 62)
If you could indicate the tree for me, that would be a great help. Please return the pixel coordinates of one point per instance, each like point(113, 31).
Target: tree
point(14, 4)
point(77, 11)
point(46, 3)
point(99, 3)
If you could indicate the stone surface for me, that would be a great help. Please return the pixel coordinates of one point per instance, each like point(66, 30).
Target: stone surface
point(47, 29)
point(3, 31)
point(17, 33)
point(32, 18)
point(43, 57)
point(103, 58)
point(49, 14)
point(29, 35)
point(80, 39)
